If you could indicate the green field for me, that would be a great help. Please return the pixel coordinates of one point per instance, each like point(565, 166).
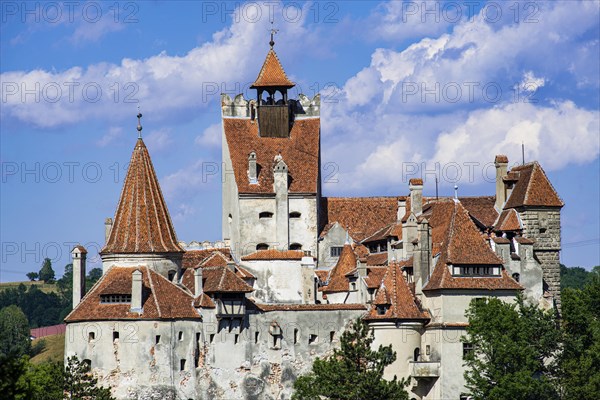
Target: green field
point(44, 287)
point(53, 351)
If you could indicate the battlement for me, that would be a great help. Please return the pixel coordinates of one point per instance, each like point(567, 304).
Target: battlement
point(239, 107)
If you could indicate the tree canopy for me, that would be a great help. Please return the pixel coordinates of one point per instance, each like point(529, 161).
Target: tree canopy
point(46, 273)
point(514, 345)
point(354, 371)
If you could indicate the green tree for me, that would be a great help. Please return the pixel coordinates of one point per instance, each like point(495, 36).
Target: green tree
point(14, 332)
point(573, 277)
point(79, 383)
point(32, 276)
point(354, 371)
point(11, 369)
point(580, 360)
point(513, 348)
point(46, 273)
point(42, 382)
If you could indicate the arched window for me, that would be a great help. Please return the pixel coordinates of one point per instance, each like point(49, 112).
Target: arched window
point(417, 354)
point(171, 274)
point(295, 246)
point(265, 214)
point(516, 276)
point(295, 214)
point(262, 246)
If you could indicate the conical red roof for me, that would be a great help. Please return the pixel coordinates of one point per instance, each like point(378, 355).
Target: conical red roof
point(272, 74)
point(142, 223)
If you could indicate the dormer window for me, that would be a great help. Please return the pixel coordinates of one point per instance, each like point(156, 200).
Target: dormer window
point(382, 309)
point(115, 298)
point(262, 246)
point(295, 214)
point(265, 214)
point(295, 246)
point(475, 270)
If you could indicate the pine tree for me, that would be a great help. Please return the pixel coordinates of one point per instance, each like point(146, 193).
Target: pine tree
point(81, 384)
point(46, 272)
point(354, 371)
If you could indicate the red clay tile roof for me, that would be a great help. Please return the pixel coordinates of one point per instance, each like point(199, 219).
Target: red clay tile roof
point(501, 158)
point(416, 181)
point(481, 208)
point(374, 277)
point(391, 230)
point(142, 223)
point(508, 221)
point(216, 259)
point(272, 74)
point(394, 291)
point(243, 273)
point(216, 280)
point(161, 298)
point(322, 274)
point(522, 240)
point(80, 248)
point(274, 254)
point(361, 251)
point(362, 216)
point(533, 188)
point(338, 282)
point(306, 307)
point(377, 259)
point(191, 258)
point(204, 301)
point(300, 152)
point(501, 240)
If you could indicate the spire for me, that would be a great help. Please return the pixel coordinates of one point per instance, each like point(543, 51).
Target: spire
point(273, 31)
point(271, 74)
point(139, 127)
point(142, 223)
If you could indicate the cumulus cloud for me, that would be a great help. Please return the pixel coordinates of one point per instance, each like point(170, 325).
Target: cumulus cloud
point(211, 137)
point(158, 140)
point(114, 132)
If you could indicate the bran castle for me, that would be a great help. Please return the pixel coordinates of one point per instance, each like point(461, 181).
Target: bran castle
point(242, 318)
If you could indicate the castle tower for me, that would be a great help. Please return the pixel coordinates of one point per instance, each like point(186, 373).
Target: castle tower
point(142, 232)
point(271, 164)
point(78, 254)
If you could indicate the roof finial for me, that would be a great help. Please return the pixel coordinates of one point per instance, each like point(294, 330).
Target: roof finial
point(273, 31)
point(139, 127)
point(456, 192)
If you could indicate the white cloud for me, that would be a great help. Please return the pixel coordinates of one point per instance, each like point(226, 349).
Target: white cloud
point(158, 140)
point(531, 83)
point(114, 132)
point(211, 137)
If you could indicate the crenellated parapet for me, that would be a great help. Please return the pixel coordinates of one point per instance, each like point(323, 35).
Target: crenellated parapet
point(239, 107)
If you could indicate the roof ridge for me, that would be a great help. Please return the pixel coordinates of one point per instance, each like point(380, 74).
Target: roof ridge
point(153, 292)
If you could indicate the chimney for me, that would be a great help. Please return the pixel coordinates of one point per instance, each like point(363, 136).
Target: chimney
point(136, 291)
point(307, 260)
point(198, 282)
point(422, 258)
point(108, 224)
point(252, 172)
point(78, 254)
point(415, 186)
point(401, 209)
point(501, 163)
point(280, 186)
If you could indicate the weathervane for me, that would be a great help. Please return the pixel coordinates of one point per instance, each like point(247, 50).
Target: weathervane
point(139, 127)
point(273, 31)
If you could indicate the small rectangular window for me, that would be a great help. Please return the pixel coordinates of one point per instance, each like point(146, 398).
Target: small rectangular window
point(157, 339)
point(295, 335)
point(331, 336)
point(197, 337)
point(467, 349)
point(256, 337)
point(236, 338)
point(312, 339)
point(115, 336)
point(335, 251)
point(91, 336)
point(180, 336)
point(182, 364)
point(211, 337)
point(428, 350)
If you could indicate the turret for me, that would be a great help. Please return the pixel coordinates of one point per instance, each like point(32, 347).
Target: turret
point(78, 254)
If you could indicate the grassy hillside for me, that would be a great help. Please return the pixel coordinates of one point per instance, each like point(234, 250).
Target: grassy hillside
point(53, 351)
point(44, 287)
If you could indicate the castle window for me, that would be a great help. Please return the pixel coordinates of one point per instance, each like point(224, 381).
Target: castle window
point(197, 337)
point(475, 270)
point(211, 338)
point(256, 337)
point(171, 274)
point(180, 336)
point(381, 309)
point(295, 335)
point(91, 336)
point(468, 348)
point(157, 339)
point(115, 336)
point(383, 247)
point(265, 214)
point(417, 354)
point(115, 298)
point(295, 246)
point(335, 251)
point(295, 214)
point(428, 350)
point(312, 339)
point(236, 338)
point(87, 362)
point(353, 286)
point(516, 276)
point(262, 246)
point(182, 364)
point(331, 336)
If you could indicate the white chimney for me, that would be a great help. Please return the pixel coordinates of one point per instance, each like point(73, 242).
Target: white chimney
point(136, 291)
point(501, 163)
point(198, 282)
point(252, 171)
point(415, 186)
point(78, 254)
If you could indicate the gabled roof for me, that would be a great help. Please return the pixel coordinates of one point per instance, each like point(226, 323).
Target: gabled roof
point(374, 277)
point(142, 223)
point(274, 254)
point(459, 242)
point(300, 152)
point(481, 208)
point(362, 216)
point(216, 259)
point(532, 188)
point(192, 258)
point(508, 221)
point(393, 229)
point(216, 280)
point(338, 281)
point(395, 293)
point(272, 74)
point(161, 299)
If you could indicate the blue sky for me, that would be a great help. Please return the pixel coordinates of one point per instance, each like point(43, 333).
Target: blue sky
point(408, 89)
